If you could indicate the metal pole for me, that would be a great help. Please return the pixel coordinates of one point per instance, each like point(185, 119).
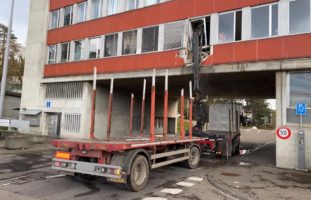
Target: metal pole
point(190, 110)
point(92, 135)
point(6, 61)
point(109, 110)
point(131, 115)
point(182, 106)
point(152, 113)
point(142, 115)
point(165, 123)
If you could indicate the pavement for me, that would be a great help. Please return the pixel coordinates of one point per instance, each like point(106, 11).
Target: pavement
point(26, 174)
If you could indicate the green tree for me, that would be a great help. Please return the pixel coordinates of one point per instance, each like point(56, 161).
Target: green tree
point(16, 57)
point(260, 110)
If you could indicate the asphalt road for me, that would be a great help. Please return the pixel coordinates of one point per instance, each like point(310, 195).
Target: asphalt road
point(251, 175)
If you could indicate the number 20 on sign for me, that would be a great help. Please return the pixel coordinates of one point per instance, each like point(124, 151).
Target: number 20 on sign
point(283, 133)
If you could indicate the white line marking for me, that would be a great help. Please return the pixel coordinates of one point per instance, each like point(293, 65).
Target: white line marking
point(56, 176)
point(171, 191)
point(154, 198)
point(197, 179)
point(185, 184)
point(245, 164)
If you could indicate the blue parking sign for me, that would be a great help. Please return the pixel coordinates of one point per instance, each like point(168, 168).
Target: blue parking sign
point(301, 109)
point(48, 104)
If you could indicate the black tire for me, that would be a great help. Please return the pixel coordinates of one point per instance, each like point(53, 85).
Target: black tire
point(194, 159)
point(139, 174)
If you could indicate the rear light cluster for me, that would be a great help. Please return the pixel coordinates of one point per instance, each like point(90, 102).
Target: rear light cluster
point(64, 164)
point(105, 170)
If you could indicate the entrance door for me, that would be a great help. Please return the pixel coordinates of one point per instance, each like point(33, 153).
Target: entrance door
point(53, 124)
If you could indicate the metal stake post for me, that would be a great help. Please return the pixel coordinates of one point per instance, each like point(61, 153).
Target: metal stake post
point(131, 115)
point(92, 135)
point(182, 106)
point(190, 110)
point(142, 119)
point(165, 131)
point(109, 110)
point(152, 113)
point(6, 61)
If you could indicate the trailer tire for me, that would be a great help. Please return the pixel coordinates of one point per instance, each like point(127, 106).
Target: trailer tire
point(194, 158)
point(139, 174)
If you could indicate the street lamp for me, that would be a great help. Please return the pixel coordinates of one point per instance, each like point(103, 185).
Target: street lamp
point(6, 61)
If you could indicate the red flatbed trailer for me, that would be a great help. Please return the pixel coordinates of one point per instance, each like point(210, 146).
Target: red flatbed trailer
point(128, 160)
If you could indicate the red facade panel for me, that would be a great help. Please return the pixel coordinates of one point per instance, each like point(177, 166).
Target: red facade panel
point(168, 59)
point(153, 15)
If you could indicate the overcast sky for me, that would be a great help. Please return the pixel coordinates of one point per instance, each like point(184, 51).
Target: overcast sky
point(20, 20)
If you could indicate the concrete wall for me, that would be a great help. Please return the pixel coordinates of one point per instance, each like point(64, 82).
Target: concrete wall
point(287, 150)
point(35, 57)
point(11, 103)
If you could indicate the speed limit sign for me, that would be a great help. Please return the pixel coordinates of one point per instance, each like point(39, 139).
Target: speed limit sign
point(283, 133)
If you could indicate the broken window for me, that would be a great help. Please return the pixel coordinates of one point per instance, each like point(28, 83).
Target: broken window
point(52, 54)
point(299, 16)
point(68, 13)
point(111, 45)
point(129, 42)
point(150, 39)
point(265, 21)
point(78, 50)
point(94, 48)
point(54, 19)
point(96, 9)
point(230, 27)
point(203, 25)
point(173, 34)
point(65, 48)
point(81, 12)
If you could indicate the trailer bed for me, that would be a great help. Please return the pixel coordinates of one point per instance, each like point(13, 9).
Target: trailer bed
point(120, 144)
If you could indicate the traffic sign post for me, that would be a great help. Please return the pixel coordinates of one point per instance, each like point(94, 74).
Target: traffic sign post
point(301, 110)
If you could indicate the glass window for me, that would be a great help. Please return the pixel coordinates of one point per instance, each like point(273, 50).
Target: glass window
point(150, 39)
point(129, 42)
point(226, 27)
point(65, 51)
point(52, 54)
point(81, 15)
point(133, 4)
point(151, 2)
point(96, 9)
point(275, 20)
point(78, 50)
point(111, 45)
point(299, 16)
point(300, 88)
point(173, 34)
point(94, 48)
point(68, 16)
point(112, 7)
point(260, 22)
point(264, 25)
point(54, 19)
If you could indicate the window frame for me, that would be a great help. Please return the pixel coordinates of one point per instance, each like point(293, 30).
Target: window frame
point(182, 35)
point(142, 38)
point(58, 19)
point(61, 52)
point(82, 50)
point(98, 47)
point(270, 20)
point(288, 20)
point(84, 12)
point(122, 54)
point(100, 12)
point(137, 3)
point(234, 27)
point(288, 91)
point(55, 55)
point(71, 16)
point(116, 4)
point(117, 44)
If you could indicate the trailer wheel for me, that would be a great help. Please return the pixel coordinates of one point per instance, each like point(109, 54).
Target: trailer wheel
point(139, 174)
point(194, 158)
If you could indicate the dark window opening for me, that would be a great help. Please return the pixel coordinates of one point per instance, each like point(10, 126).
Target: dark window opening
point(238, 26)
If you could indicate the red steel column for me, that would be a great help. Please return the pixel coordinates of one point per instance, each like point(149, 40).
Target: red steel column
point(92, 135)
point(109, 110)
point(165, 106)
point(182, 106)
point(152, 108)
point(142, 115)
point(131, 115)
point(190, 110)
